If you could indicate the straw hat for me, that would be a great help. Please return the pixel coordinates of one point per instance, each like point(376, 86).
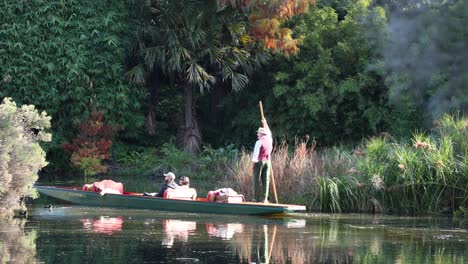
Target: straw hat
point(264, 131)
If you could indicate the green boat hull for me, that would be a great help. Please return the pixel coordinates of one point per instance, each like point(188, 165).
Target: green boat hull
point(137, 201)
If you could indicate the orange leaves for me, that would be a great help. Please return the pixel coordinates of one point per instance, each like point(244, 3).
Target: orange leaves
point(266, 18)
point(287, 9)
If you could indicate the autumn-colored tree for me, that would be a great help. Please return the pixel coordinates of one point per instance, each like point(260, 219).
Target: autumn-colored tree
point(92, 144)
point(266, 20)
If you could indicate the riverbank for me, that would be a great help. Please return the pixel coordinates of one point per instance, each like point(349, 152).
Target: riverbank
point(425, 174)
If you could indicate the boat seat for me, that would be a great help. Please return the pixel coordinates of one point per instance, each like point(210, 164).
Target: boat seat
point(181, 193)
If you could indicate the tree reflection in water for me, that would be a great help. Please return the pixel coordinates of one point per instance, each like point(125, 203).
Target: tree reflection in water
point(16, 246)
point(253, 243)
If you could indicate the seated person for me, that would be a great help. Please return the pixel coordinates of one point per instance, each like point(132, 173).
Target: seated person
point(184, 182)
point(169, 183)
point(183, 192)
point(104, 187)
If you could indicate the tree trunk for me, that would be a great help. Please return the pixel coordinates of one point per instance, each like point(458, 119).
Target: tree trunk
point(153, 88)
point(217, 95)
point(188, 108)
point(191, 138)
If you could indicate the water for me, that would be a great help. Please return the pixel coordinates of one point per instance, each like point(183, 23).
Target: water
point(74, 234)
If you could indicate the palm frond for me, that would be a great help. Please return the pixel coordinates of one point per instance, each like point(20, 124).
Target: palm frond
point(198, 76)
point(151, 56)
point(137, 75)
point(239, 81)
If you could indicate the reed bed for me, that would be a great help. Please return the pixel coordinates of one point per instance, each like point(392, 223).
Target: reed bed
point(296, 172)
point(427, 174)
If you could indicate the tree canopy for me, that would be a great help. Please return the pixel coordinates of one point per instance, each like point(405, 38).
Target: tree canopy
point(194, 45)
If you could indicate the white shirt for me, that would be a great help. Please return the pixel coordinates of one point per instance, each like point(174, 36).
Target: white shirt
point(258, 144)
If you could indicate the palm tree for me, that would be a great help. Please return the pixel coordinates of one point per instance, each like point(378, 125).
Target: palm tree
point(195, 45)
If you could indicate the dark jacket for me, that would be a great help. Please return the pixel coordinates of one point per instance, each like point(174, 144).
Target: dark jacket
point(165, 186)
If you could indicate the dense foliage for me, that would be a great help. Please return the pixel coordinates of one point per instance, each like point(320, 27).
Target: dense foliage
point(21, 156)
point(63, 55)
point(329, 91)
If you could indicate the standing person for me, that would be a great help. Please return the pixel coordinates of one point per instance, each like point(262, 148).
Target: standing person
point(169, 183)
point(261, 163)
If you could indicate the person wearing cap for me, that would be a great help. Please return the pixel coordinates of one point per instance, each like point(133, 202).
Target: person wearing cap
point(261, 163)
point(169, 183)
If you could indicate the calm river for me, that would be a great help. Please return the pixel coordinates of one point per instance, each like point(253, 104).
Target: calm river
point(74, 234)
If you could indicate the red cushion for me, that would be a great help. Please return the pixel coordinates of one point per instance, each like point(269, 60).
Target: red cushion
point(107, 184)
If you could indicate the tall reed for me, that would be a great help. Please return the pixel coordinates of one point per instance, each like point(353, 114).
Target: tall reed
point(427, 174)
point(296, 172)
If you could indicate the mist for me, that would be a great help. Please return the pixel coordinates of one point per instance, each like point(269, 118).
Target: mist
point(426, 54)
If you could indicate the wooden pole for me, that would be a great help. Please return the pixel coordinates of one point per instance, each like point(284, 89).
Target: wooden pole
point(272, 243)
point(273, 185)
point(272, 176)
point(261, 110)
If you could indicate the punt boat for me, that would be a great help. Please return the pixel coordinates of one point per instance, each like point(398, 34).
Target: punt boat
point(134, 200)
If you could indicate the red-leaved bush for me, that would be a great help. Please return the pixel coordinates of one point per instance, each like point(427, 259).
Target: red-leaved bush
point(92, 144)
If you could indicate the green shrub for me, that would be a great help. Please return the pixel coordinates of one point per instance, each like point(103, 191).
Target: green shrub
point(128, 156)
point(21, 156)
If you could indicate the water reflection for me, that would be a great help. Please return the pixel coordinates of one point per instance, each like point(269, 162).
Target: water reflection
point(224, 230)
point(104, 225)
point(177, 229)
point(87, 235)
point(270, 243)
point(16, 245)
